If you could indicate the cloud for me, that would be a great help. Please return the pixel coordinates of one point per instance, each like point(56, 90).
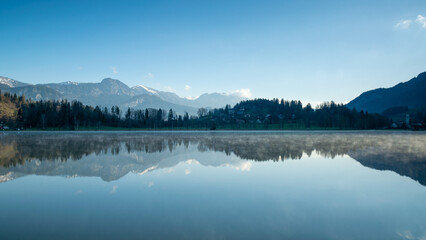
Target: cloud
point(114, 189)
point(187, 171)
point(114, 70)
point(148, 76)
point(192, 161)
point(169, 170)
point(187, 87)
point(421, 20)
point(170, 89)
point(406, 235)
point(243, 166)
point(403, 24)
point(406, 23)
point(243, 92)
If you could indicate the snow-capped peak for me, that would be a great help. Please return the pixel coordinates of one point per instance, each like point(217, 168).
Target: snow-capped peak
point(6, 81)
point(150, 90)
point(69, 83)
point(11, 83)
point(192, 98)
point(147, 170)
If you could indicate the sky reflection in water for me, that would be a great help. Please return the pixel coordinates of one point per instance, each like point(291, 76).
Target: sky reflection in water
point(322, 185)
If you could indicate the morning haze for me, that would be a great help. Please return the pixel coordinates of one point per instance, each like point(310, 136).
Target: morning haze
point(212, 119)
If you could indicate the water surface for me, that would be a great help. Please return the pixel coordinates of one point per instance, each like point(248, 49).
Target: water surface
point(213, 185)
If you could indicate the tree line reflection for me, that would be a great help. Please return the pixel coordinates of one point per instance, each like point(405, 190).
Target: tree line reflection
point(400, 152)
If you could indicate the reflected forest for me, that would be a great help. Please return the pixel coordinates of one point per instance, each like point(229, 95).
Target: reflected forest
point(62, 154)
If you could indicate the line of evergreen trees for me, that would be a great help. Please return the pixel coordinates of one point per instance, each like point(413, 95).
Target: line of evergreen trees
point(281, 114)
point(250, 114)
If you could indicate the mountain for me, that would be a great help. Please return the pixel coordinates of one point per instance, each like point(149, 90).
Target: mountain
point(111, 92)
point(215, 99)
point(207, 100)
point(8, 82)
point(141, 89)
point(106, 93)
point(165, 96)
point(152, 101)
point(37, 92)
point(409, 94)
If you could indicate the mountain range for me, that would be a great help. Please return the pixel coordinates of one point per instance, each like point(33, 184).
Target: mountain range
point(410, 94)
point(111, 92)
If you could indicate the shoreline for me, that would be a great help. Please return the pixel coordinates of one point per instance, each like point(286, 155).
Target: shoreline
point(220, 131)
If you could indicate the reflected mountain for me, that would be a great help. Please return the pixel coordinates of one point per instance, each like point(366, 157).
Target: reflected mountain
point(112, 155)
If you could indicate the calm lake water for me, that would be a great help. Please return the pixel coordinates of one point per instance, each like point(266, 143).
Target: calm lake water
point(213, 185)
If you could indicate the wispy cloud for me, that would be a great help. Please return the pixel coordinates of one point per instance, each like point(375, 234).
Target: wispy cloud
point(187, 87)
point(170, 89)
point(114, 70)
point(243, 92)
point(421, 20)
point(403, 24)
point(114, 189)
point(192, 161)
point(169, 170)
point(407, 23)
point(148, 76)
point(243, 166)
point(188, 171)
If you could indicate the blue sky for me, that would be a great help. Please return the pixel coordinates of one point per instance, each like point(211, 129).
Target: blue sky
point(308, 50)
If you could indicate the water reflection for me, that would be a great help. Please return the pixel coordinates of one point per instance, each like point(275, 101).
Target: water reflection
point(113, 155)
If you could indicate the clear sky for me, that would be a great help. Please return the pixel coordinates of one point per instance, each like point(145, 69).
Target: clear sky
point(308, 50)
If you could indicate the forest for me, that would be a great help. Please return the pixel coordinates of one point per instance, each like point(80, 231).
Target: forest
point(249, 114)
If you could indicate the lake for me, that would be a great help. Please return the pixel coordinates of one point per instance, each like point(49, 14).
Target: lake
point(213, 185)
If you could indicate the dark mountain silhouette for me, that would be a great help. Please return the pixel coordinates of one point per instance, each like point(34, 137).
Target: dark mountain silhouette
point(411, 94)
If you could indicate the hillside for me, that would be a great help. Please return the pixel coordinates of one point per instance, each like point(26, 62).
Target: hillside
point(8, 109)
point(409, 94)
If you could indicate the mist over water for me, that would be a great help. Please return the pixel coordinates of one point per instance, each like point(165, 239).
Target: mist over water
point(214, 185)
